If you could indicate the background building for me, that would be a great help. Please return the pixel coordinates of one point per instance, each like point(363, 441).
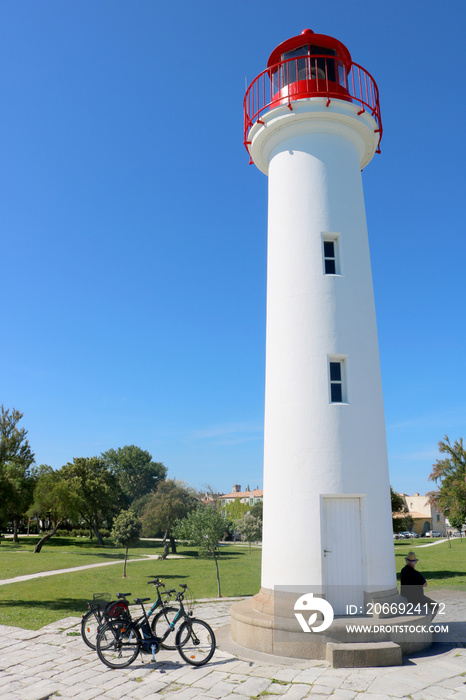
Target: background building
point(425, 516)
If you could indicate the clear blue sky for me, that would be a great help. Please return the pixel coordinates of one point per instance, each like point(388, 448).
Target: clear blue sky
point(134, 230)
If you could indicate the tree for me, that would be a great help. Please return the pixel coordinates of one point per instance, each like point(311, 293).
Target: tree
point(203, 528)
point(406, 523)
point(209, 496)
point(456, 520)
point(398, 506)
point(235, 509)
point(257, 509)
point(172, 501)
point(20, 481)
point(250, 528)
point(50, 501)
point(94, 493)
point(137, 473)
point(126, 531)
point(449, 474)
point(139, 506)
point(16, 458)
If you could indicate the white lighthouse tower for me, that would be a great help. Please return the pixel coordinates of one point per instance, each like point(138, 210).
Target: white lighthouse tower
point(312, 123)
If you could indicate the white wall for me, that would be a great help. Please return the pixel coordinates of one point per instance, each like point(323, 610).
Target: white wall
point(313, 447)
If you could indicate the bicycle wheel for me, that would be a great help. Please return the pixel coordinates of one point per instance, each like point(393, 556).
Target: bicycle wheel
point(118, 644)
point(90, 624)
point(195, 642)
point(160, 624)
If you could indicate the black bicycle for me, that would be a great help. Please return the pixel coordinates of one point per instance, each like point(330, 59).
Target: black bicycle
point(166, 620)
point(119, 641)
point(100, 610)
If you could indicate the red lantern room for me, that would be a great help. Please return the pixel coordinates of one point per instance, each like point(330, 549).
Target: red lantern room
point(310, 66)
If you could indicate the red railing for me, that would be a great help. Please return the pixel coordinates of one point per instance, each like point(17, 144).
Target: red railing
point(310, 76)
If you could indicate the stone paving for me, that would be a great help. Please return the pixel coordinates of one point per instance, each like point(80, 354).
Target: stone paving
point(54, 662)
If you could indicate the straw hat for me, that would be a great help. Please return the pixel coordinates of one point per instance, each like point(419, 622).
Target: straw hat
point(411, 557)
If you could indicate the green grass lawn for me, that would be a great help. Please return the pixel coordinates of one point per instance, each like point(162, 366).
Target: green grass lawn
point(32, 604)
point(442, 565)
point(60, 553)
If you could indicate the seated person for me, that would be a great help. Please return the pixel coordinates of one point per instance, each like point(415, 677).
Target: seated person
point(413, 584)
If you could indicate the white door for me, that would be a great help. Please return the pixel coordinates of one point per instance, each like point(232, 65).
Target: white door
point(343, 575)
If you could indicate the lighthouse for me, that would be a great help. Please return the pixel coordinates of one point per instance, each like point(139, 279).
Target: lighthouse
point(312, 124)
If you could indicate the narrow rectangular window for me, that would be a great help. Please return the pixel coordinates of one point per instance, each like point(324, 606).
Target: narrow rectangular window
point(336, 389)
point(329, 258)
point(331, 253)
point(337, 377)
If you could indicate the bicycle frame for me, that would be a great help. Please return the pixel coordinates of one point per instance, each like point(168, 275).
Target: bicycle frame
point(150, 643)
point(194, 641)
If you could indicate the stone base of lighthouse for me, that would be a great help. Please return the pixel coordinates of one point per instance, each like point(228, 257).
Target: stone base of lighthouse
point(266, 623)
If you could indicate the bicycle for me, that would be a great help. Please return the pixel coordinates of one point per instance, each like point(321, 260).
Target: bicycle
point(101, 609)
point(119, 643)
point(168, 615)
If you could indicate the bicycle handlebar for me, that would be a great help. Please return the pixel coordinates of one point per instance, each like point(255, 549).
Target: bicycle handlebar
point(158, 583)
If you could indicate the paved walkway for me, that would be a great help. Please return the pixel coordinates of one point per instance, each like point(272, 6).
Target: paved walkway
point(54, 662)
point(429, 544)
point(53, 572)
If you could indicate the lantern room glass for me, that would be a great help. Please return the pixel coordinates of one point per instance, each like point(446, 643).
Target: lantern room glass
point(309, 62)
